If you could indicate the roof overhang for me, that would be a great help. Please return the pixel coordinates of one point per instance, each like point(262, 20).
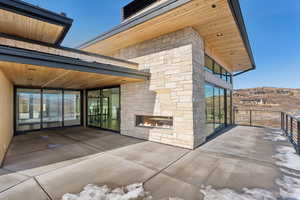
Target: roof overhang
point(31, 22)
point(17, 64)
point(208, 20)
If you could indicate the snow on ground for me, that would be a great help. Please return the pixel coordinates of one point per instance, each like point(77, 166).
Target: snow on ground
point(276, 136)
point(289, 183)
point(289, 187)
point(228, 194)
point(288, 158)
point(131, 192)
point(94, 192)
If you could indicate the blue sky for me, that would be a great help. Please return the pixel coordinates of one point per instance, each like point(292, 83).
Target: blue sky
point(273, 27)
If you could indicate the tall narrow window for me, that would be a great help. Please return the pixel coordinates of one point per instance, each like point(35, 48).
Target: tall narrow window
point(217, 107)
point(209, 108)
point(28, 109)
point(209, 63)
point(72, 108)
point(52, 108)
point(222, 107)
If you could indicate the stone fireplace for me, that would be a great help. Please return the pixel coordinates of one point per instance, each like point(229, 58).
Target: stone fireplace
point(154, 121)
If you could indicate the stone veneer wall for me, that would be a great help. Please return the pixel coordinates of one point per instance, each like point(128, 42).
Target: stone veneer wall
point(175, 89)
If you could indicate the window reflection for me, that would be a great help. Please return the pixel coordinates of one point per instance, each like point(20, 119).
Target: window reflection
point(28, 116)
point(213, 67)
point(46, 108)
point(218, 108)
point(52, 108)
point(72, 108)
point(104, 108)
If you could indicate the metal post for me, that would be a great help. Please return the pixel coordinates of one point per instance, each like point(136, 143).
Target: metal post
point(282, 120)
point(298, 137)
point(250, 117)
point(234, 110)
point(291, 118)
point(287, 124)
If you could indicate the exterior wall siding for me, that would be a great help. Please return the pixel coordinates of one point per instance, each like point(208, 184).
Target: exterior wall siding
point(175, 89)
point(6, 116)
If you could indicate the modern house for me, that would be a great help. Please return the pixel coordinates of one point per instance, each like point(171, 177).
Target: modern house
point(164, 74)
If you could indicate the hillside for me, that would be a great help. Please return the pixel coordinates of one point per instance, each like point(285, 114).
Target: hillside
point(268, 98)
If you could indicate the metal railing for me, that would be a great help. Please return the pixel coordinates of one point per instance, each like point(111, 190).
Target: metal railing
point(272, 119)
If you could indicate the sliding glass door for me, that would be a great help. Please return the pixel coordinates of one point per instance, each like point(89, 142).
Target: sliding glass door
point(104, 108)
point(72, 108)
point(218, 108)
point(46, 108)
point(52, 108)
point(28, 109)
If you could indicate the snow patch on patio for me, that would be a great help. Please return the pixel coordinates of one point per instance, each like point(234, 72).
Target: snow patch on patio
point(131, 192)
point(276, 136)
point(289, 187)
point(93, 192)
point(228, 194)
point(288, 158)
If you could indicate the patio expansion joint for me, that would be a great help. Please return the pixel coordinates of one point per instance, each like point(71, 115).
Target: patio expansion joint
point(42, 188)
point(12, 186)
point(169, 165)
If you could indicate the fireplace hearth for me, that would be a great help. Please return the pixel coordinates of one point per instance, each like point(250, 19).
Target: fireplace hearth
point(154, 121)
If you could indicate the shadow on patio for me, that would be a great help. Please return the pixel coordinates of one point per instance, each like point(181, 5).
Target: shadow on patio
point(38, 152)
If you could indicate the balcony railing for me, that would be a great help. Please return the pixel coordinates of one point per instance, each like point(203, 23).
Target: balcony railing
point(272, 119)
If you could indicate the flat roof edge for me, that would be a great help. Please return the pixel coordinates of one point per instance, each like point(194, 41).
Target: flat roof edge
point(238, 16)
point(38, 13)
point(25, 56)
point(152, 13)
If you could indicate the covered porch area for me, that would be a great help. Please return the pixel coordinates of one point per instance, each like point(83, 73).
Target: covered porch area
point(45, 88)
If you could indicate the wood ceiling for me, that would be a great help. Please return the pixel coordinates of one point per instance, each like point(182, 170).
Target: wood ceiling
point(46, 77)
point(29, 28)
point(209, 17)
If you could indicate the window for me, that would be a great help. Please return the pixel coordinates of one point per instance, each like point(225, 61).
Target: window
point(217, 70)
point(213, 67)
point(209, 64)
point(224, 74)
point(218, 108)
point(209, 108)
point(229, 107)
point(28, 109)
point(46, 108)
point(104, 108)
point(72, 108)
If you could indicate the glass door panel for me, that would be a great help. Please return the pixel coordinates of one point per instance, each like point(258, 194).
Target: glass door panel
point(94, 108)
point(72, 108)
point(111, 109)
point(28, 109)
point(52, 108)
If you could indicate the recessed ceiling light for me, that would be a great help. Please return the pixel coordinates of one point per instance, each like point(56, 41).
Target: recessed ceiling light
point(220, 34)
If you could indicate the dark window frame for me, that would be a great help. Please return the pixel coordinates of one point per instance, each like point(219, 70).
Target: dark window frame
point(227, 76)
point(227, 121)
point(16, 132)
point(86, 107)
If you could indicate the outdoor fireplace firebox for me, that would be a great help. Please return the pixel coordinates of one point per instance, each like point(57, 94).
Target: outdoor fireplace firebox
point(154, 121)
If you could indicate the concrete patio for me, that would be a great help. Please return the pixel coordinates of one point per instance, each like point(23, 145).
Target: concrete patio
point(48, 164)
